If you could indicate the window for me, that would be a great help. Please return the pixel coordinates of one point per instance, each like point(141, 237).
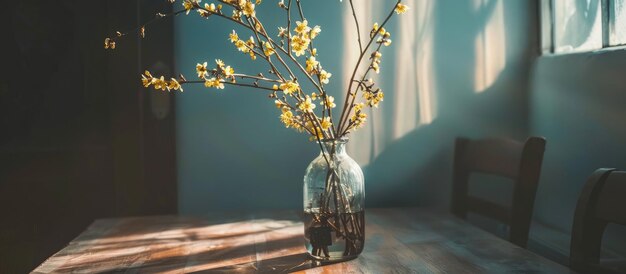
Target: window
point(582, 25)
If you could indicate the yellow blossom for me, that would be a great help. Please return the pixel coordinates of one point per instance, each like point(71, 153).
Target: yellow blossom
point(314, 52)
point(109, 43)
point(302, 27)
point(214, 83)
point(233, 37)
point(269, 50)
point(329, 102)
point(220, 63)
point(282, 32)
point(287, 118)
point(279, 104)
point(299, 44)
point(313, 96)
point(325, 76)
point(401, 8)
point(373, 98)
point(326, 124)
point(147, 79)
point(241, 46)
point(315, 31)
point(311, 64)
point(236, 15)
point(201, 70)
point(228, 71)
point(275, 87)
point(317, 133)
point(160, 83)
point(289, 87)
point(248, 9)
point(210, 7)
point(307, 105)
point(174, 85)
point(190, 4)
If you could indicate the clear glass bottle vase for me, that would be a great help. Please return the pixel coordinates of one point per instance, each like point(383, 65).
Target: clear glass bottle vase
point(334, 200)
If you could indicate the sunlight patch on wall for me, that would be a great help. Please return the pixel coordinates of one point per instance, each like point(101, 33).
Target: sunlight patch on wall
point(360, 145)
point(490, 46)
point(414, 92)
point(408, 79)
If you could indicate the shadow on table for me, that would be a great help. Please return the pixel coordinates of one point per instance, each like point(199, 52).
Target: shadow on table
point(285, 264)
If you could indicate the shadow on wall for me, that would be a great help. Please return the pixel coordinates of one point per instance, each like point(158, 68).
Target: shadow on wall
point(455, 74)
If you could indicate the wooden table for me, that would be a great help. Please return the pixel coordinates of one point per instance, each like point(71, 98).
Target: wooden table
point(399, 240)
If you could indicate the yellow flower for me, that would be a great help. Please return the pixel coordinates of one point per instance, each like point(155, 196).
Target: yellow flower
point(147, 79)
point(401, 8)
point(241, 46)
point(109, 43)
point(279, 104)
point(373, 98)
point(302, 27)
point(236, 15)
point(325, 76)
point(287, 118)
point(258, 2)
point(289, 87)
point(269, 50)
point(282, 32)
point(174, 85)
point(201, 70)
point(311, 64)
point(358, 107)
point(248, 9)
point(214, 83)
point(315, 31)
point(329, 102)
point(314, 52)
point(313, 96)
point(307, 105)
point(220, 63)
point(190, 4)
point(275, 87)
point(160, 83)
point(233, 37)
point(299, 44)
point(210, 7)
point(250, 43)
point(228, 71)
point(326, 124)
point(382, 31)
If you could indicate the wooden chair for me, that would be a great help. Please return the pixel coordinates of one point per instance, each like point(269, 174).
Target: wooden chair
point(602, 201)
point(518, 161)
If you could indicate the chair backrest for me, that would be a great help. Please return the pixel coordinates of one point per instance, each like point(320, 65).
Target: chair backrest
point(602, 201)
point(518, 161)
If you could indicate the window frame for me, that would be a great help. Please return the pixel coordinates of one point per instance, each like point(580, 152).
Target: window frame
point(547, 28)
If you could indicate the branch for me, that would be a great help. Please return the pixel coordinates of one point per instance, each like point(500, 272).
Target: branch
point(358, 30)
point(343, 118)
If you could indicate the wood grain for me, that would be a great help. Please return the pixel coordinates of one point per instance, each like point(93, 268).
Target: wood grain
point(398, 240)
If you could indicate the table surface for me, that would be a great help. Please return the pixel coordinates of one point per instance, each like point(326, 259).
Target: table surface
point(399, 240)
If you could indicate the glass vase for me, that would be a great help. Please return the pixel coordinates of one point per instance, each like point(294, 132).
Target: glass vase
point(334, 200)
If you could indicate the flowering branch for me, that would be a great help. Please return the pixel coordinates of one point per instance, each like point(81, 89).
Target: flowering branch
point(297, 106)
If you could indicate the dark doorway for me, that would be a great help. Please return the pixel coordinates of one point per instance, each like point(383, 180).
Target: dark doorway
point(80, 137)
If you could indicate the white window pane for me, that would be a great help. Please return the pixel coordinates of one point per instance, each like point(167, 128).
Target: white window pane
point(577, 25)
point(617, 22)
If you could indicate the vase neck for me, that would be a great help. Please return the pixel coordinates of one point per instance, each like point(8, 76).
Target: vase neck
point(336, 147)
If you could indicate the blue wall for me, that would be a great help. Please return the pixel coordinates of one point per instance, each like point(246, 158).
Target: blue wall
point(233, 153)
point(578, 103)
